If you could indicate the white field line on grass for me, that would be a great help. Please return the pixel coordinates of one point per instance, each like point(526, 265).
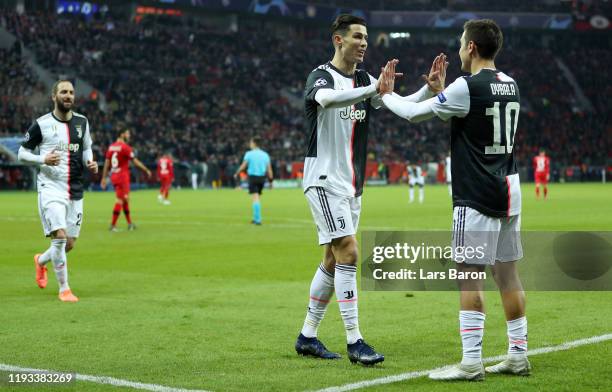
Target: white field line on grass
point(298, 223)
point(348, 387)
point(117, 382)
point(421, 373)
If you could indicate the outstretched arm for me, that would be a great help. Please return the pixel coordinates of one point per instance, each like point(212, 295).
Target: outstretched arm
point(329, 98)
point(411, 111)
point(434, 81)
point(141, 166)
point(454, 101)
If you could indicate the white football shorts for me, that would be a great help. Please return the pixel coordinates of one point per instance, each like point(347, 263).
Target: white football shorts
point(60, 213)
point(335, 216)
point(416, 181)
point(481, 239)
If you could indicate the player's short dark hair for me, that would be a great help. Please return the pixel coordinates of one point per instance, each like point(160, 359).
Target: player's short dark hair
point(56, 85)
point(121, 131)
point(343, 23)
point(256, 140)
point(487, 36)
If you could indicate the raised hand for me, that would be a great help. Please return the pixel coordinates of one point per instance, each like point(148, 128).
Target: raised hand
point(387, 75)
point(437, 74)
point(386, 81)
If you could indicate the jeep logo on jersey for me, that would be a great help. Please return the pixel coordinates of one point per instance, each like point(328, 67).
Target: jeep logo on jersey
point(72, 147)
point(349, 113)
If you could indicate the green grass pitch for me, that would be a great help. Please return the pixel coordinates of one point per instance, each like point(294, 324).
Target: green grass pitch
point(199, 298)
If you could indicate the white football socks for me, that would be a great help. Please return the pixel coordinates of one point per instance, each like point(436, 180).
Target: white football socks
point(321, 290)
point(517, 337)
point(47, 256)
point(345, 282)
point(60, 264)
point(471, 327)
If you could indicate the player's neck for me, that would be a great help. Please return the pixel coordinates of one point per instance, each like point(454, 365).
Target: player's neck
point(62, 116)
point(343, 65)
point(479, 64)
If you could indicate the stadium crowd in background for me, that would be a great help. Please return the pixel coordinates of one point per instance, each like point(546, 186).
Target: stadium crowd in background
point(181, 85)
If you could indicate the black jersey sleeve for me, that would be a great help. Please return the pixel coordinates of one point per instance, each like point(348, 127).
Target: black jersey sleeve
point(317, 80)
point(33, 136)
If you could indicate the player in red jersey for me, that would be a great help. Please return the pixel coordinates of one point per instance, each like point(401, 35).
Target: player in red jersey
point(165, 173)
point(541, 172)
point(118, 159)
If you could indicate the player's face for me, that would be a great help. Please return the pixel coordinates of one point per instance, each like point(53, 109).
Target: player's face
point(354, 44)
point(64, 98)
point(464, 55)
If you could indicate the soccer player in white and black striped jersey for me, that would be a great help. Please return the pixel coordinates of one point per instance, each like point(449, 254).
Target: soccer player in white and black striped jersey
point(338, 99)
point(64, 144)
point(484, 108)
point(416, 177)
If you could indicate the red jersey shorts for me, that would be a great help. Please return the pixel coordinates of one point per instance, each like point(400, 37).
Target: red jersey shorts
point(540, 178)
point(122, 187)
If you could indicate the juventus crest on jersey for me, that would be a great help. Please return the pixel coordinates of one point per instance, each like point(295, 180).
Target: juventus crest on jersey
point(337, 149)
point(67, 138)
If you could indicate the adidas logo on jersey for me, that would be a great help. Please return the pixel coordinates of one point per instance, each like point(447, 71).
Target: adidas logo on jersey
point(349, 113)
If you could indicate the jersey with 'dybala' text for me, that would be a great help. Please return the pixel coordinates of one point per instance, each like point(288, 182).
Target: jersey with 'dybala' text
point(484, 108)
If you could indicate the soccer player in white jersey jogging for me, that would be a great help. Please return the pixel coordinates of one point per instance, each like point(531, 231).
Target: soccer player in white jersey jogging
point(484, 109)
point(64, 144)
point(338, 98)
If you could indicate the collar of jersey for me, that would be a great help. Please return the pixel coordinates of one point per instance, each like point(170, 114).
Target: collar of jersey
point(62, 121)
point(486, 69)
point(340, 72)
